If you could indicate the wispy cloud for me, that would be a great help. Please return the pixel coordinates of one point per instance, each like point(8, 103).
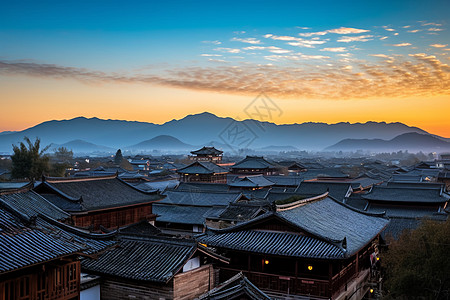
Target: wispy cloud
point(361, 38)
point(414, 31)
point(435, 29)
point(431, 24)
point(246, 40)
point(335, 49)
point(228, 50)
point(439, 45)
point(295, 41)
point(420, 75)
point(261, 48)
point(342, 30)
point(212, 42)
point(380, 55)
point(402, 45)
point(210, 55)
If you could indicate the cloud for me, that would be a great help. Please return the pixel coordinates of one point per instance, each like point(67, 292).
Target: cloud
point(435, 29)
point(414, 31)
point(389, 29)
point(212, 42)
point(209, 55)
point(407, 26)
point(228, 50)
point(261, 48)
point(361, 38)
point(383, 38)
point(295, 41)
point(346, 30)
point(431, 24)
point(336, 49)
point(380, 55)
point(246, 40)
point(216, 60)
point(439, 45)
point(280, 51)
point(342, 30)
point(402, 45)
point(417, 75)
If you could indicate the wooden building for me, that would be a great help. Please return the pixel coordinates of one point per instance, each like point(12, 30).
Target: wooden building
point(203, 171)
point(315, 246)
point(254, 165)
point(40, 256)
point(210, 154)
point(96, 202)
point(154, 267)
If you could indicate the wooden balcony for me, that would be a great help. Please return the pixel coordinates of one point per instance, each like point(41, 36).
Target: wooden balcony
point(317, 288)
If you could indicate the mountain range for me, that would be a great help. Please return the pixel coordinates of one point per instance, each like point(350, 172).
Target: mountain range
point(203, 129)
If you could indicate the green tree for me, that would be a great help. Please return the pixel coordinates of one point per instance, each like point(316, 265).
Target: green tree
point(29, 160)
point(118, 157)
point(417, 264)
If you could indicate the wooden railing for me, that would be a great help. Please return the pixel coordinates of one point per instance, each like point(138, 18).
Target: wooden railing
point(284, 284)
point(60, 282)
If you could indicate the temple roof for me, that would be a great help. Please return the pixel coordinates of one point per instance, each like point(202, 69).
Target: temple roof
point(202, 167)
point(92, 193)
point(255, 181)
point(207, 151)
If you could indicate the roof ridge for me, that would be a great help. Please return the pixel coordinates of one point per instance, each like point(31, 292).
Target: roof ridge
point(301, 202)
point(25, 188)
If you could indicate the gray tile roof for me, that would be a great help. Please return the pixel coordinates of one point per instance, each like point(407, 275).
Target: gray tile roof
point(275, 243)
point(292, 181)
point(94, 192)
point(27, 241)
point(202, 167)
point(406, 195)
point(156, 259)
point(253, 162)
point(338, 229)
point(183, 214)
point(255, 181)
point(32, 204)
point(207, 151)
point(199, 198)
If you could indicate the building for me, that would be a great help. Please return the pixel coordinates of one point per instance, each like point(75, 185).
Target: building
point(154, 267)
point(99, 202)
point(40, 256)
point(317, 246)
point(203, 171)
point(210, 154)
point(254, 165)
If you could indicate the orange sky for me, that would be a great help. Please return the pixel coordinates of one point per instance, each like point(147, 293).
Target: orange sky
point(49, 99)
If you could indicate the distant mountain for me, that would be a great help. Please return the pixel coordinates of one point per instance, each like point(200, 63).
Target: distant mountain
point(80, 146)
point(201, 129)
point(161, 142)
point(412, 142)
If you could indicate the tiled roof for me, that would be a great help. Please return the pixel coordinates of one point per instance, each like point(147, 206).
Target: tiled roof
point(207, 151)
point(324, 172)
point(183, 214)
point(27, 241)
point(406, 195)
point(235, 288)
point(92, 193)
point(143, 228)
point(275, 243)
point(202, 167)
point(336, 190)
point(241, 212)
point(292, 181)
point(253, 162)
point(155, 259)
point(199, 198)
point(338, 229)
point(31, 204)
point(251, 181)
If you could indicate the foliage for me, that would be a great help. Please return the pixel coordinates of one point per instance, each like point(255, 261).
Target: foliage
point(118, 157)
point(28, 160)
point(417, 264)
point(62, 154)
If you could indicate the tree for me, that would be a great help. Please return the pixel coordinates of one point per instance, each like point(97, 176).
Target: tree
point(417, 264)
point(118, 158)
point(62, 154)
point(29, 162)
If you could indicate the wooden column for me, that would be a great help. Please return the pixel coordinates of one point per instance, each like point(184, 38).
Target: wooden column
point(330, 279)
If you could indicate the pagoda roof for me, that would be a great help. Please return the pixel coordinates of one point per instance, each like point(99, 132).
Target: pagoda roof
point(207, 151)
point(253, 162)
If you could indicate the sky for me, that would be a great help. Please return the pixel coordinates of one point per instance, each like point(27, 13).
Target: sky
point(154, 61)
